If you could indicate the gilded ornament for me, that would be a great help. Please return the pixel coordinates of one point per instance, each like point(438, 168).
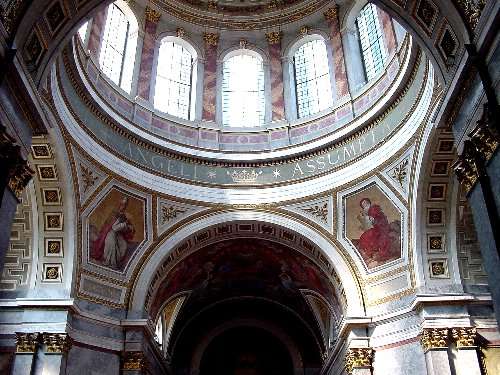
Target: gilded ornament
point(464, 337)
point(88, 178)
point(180, 32)
point(399, 173)
point(152, 15)
point(273, 37)
point(358, 358)
point(485, 141)
point(244, 176)
point(434, 338)
point(26, 342)
point(472, 10)
point(133, 361)
point(56, 343)
point(211, 39)
point(320, 211)
point(466, 167)
point(331, 14)
point(304, 30)
point(170, 213)
point(243, 43)
point(19, 176)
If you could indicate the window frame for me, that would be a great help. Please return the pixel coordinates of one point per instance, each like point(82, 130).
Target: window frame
point(293, 71)
point(193, 86)
point(263, 91)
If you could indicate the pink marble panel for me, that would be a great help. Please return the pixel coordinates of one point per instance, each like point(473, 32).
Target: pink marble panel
point(388, 30)
point(280, 134)
point(147, 56)
point(338, 58)
point(96, 32)
point(159, 123)
point(277, 97)
point(209, 82)
point(208, 135)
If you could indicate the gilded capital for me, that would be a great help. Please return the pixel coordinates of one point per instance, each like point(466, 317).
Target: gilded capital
point(273, 37)
point(152, 15)
point(466, 167)
point(434, 338)
point(331, 14)
point(465, 337)
point(485, 141)
point(26, 342)
point(304, 30)
point(358, 358)
point(211, 39)
point(133, 361)
point(56, 343)
point(180, 32)
point(19, 176)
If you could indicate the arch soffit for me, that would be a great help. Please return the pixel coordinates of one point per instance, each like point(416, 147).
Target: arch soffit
point(249, 49)
point(338, 266)
point(185, 42)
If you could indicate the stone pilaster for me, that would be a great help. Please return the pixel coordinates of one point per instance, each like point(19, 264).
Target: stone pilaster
point(210, 76)
point(435, 342)
point(152, 17)
point(56, 346)
point(96, 33)
point(277, 96)
point(342, 84)
point(26, 349)
point(358, 361)
point(467, 356)
point(387, 30)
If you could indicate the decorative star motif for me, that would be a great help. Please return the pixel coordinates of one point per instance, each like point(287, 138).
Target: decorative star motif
point(211, 174)
point(277, 173)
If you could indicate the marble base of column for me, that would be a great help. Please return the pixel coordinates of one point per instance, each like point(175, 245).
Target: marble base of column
point(438, 362)
point(467, 361)
point(23, 364)
point(362, 371)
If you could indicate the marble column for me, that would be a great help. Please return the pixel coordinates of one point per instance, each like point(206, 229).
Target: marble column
point(152, 17)
point(388, 30)
point(96, 33)
point(25, 357)
point(342, 84)
point(359, 361)
point(277, 96)
point(210, 76)
point(435, 343)
point(56, 347)
point(467, 359)
point(472, 170)
point(15, 174)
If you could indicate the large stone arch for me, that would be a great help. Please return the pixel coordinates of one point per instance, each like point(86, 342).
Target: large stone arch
point(341, 267)
point(32, 30)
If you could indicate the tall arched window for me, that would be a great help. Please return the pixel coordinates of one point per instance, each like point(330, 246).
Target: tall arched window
point(370, 37)
point(175, 79)
point(82, 31)
point(313, 87)
point(118, 47)
point(243, 90)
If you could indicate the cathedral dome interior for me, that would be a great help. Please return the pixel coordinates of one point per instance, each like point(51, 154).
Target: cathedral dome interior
point(245, 187)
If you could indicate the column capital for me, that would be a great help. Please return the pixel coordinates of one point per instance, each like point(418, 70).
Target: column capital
point(152, 15)
point(56, 343)
point(211, 39)
point(465, 337)
point(434, 338)
point(358, 358)
point(133, 361)
point(331, 14)
point(273, 37)
point(26, 342)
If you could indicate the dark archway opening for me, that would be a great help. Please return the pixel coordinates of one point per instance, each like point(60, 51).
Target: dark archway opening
point(246, 351)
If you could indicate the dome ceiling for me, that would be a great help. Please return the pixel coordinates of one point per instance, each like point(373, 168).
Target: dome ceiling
point(240, 14)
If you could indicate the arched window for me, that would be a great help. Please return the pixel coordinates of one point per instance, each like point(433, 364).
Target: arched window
point(82, 31)
point(243, 90)
point(118, 47)
point(370, 37)
point(175, 79)
point(313, 87)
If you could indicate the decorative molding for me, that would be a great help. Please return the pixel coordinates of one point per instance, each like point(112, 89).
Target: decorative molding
point(434, 338)
point(331, 14)
point(56, 343)
point(304, 30)
point(180, 32)
point(465, 337)
point(26, 342)
point(320, 211)
point(358, 358)
point(169, 213)
point(471, 11)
